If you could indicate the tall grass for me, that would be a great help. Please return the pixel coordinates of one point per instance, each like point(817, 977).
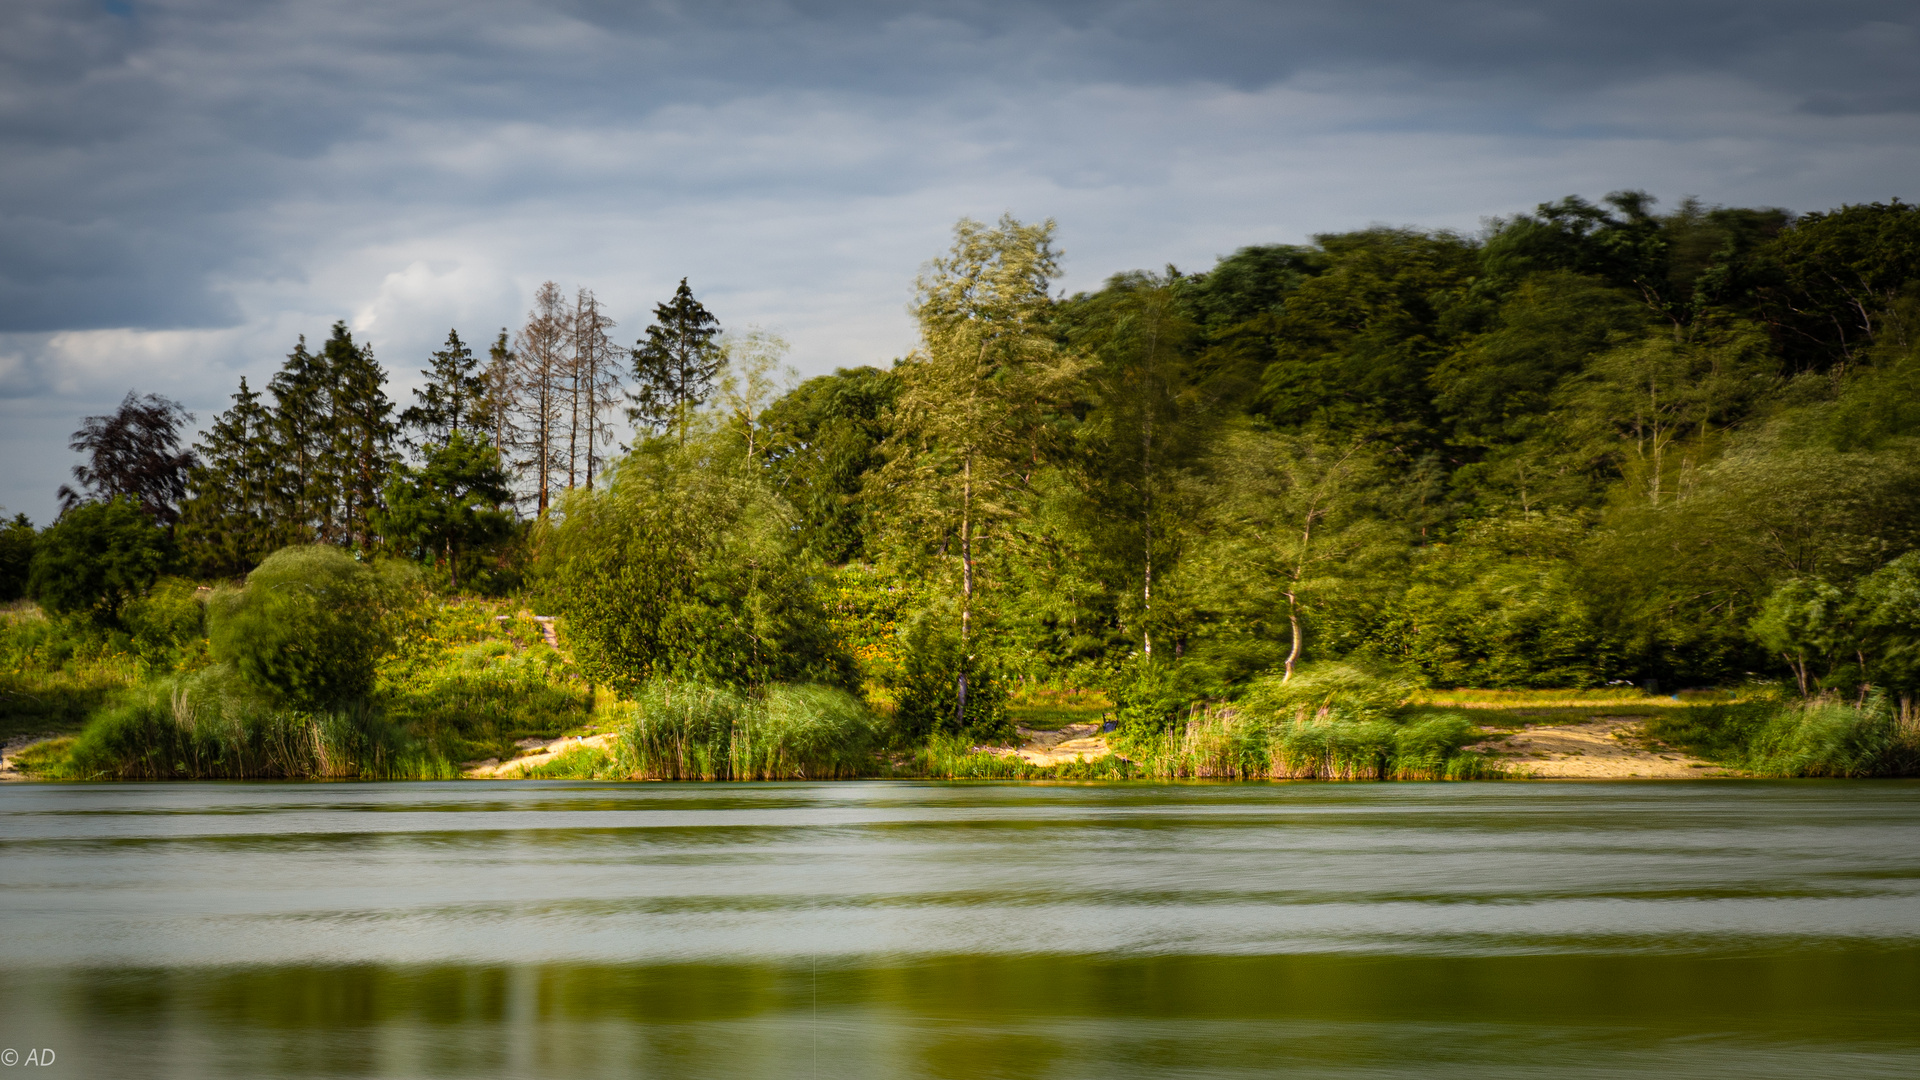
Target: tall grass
point(1822, 737)
point(203, 727)
point(1239, 744)
point(683, 730)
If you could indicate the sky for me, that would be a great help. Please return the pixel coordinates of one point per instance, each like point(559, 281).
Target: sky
point(187, 186)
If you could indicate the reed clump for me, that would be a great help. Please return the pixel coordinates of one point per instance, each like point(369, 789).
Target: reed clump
point(207, 726)
point(689, 730)
point(1825, 736)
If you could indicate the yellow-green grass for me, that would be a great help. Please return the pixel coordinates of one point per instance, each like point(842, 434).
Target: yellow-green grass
point(1051, 710)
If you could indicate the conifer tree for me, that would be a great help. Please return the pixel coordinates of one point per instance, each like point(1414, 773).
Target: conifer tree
point(303, 493)
point(363, 434)
point(594, 379)
point(454, 399)
point(675, 364)
point(227, 524)
point(541, 391)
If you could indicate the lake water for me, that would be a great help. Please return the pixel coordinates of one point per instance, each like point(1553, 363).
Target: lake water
point(961, 930)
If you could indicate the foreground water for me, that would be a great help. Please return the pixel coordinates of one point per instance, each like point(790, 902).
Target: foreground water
point(929, 930)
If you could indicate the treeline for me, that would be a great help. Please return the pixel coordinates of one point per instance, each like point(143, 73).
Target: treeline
point(1593, 443)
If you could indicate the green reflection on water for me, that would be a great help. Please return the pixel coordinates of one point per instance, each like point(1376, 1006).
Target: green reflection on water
point(1798, 1012)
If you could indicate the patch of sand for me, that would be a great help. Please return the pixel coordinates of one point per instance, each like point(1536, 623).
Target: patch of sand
point(1605, 747)
point(16, 745)
point(542, 751)
point(1070, 743)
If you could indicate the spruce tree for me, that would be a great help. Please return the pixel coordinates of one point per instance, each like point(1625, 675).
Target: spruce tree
point(455, 398)
point(675, 364)
point(228, 523)
point(363, 434)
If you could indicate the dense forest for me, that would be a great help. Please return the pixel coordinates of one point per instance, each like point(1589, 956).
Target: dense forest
point(1594, 444)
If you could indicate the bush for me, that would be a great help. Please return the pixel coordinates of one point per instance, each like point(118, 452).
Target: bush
point(210, 726)
point(309, 628)
point(97, 558)
point(168, 624)
point(1325, 689)
point(927, 693)
point(688, 567)
point(16, 557)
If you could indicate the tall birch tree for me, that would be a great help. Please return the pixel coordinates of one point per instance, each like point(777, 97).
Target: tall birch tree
point(974, 398)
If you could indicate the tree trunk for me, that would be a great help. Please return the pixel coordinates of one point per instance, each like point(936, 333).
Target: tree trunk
point(1293, 620)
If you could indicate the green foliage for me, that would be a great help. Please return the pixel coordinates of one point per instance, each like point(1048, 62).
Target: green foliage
point(687, 566)
point(1504, 605)
point(97, 558)
point(451, 505)
point(1324, 690)
point(823, 440)
point(926, 696)
point(309, 628)
point(1821, 737)
point(212, 726)
point(16, 557)
point(168, 625)
point(699, 731)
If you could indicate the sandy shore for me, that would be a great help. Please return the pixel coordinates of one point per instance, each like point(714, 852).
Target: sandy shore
point(542, 751)
point(1605, 747)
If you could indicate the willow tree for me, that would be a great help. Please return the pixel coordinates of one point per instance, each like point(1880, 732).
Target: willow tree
point(974, 399)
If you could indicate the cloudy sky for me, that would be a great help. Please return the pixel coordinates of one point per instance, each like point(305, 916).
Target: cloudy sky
point(188, 185)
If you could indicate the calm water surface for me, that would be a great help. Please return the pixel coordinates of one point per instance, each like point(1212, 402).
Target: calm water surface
point(949, 930)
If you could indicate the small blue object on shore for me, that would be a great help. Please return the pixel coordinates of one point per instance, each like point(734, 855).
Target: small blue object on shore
point(1109, 726)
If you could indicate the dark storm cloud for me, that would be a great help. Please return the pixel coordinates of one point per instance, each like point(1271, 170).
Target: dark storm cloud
point(140, 142)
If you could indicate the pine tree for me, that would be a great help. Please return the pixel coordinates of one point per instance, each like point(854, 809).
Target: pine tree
point(363, 434)
point(455, 398)
point(500, 401)
point(303, 493)
point(675, 364)
point(227, 524)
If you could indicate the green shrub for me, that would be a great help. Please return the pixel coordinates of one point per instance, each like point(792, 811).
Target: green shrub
point(168, 624)
point(927, 691)
point(97, 558)
point(211, 726)
point(310, 627)
point(1324, 689)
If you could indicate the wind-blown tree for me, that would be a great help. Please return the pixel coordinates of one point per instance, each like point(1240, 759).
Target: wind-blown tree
point(97, 558)
point(451, 504)
point(752, 370)
point(823, 439)
point(1297, 529)
point(1141, 439)
point(675, 364)
point(687, 566)
point(134, 453)
point(973, 400)
point(229, 523)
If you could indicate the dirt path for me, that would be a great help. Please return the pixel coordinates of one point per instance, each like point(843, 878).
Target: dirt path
point(1605, 747)
point(1071, 742)
point(15, 745)
point(543, 752)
